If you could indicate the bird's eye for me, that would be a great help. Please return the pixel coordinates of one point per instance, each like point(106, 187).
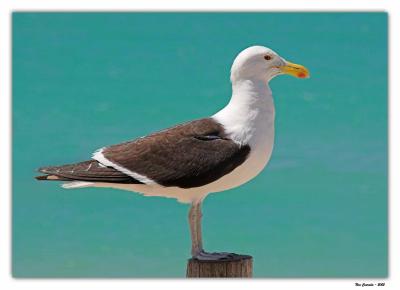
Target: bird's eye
point(267, 57)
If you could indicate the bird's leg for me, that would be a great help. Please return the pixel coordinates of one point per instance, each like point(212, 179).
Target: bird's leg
point(195, 228)
point(198, 253)
point(199, 215)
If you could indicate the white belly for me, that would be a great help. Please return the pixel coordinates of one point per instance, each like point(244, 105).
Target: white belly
point(249, 169)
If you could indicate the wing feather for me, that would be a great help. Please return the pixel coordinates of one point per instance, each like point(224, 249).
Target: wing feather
point(90, 170)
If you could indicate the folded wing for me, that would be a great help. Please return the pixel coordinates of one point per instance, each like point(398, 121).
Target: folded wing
point(189, 155)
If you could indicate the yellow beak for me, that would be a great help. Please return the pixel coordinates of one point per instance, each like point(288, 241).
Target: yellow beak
point(295, 70)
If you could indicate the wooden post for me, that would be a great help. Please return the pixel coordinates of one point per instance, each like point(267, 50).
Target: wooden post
point(239, 266)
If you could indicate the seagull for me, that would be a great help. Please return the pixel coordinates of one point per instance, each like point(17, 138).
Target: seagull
point(191, 160)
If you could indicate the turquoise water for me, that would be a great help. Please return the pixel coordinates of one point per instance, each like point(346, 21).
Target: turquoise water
point(82, 81)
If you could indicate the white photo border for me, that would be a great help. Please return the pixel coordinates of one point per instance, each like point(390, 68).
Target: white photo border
point(7, 7)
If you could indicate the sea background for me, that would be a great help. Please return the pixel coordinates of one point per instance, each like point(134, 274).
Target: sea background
point(85, 80)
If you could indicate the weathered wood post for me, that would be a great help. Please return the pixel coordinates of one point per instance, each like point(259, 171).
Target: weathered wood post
point(239, 266)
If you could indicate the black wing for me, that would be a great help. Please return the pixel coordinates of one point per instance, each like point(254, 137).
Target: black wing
point(188, 155)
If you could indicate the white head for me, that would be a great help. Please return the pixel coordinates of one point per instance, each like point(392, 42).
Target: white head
point(262, 63)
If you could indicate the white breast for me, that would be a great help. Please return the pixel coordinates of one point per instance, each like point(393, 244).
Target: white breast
point(261, 141)
point(248, 120)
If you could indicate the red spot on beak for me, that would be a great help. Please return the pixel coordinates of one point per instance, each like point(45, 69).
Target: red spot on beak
point(301, 75)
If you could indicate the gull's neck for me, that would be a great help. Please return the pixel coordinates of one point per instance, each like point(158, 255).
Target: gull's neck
point(250, 113)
